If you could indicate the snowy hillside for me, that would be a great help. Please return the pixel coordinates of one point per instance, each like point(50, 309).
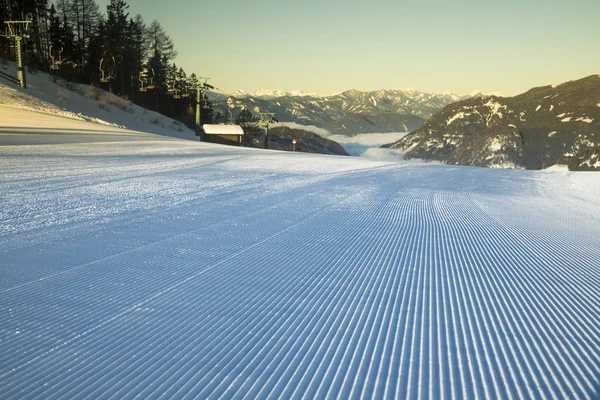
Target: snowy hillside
point(539, 128)
point(143, 266)
point(85, 103)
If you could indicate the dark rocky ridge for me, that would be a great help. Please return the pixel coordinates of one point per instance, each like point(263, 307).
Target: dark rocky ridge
point(280, 138)
point(354, 123)
point(536, 129)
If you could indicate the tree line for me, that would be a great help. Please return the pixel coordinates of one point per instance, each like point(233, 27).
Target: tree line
point(118, 52)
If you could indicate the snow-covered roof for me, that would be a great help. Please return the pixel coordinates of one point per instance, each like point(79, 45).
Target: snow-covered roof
point(210, 129)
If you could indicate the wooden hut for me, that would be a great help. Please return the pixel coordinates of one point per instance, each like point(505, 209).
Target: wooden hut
point(223, 134)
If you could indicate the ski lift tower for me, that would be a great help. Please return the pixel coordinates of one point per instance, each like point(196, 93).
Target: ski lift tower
point(266, 119)
point(199, 88)
point(17, 30)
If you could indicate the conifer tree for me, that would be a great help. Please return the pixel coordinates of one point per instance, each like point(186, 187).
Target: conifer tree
point(85, 16)
point(116, 40)
point(65, 38)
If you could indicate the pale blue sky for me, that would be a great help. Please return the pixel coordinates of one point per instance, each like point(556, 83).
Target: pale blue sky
point(329, 46)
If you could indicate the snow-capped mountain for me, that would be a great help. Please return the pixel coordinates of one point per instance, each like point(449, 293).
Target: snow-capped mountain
point(326, 111)
point(270, 94)
point(539, 128)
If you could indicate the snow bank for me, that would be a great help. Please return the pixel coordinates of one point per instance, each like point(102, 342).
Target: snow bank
point(558, 167)
point(87, 103)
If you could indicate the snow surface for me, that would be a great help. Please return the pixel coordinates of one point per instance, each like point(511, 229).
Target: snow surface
point(458, 115)
point(558, 167)
point(222, 129)
point(143, 266)
point(495, 110)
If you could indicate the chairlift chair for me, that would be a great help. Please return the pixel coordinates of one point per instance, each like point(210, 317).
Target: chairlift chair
point(150, 82)
point(56, 61)
point(107, 76)
point(150, 85)
point(143, 78)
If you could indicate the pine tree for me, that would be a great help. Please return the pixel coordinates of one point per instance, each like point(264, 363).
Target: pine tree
point(249, 122)
point(65, 37)
point(54, 33)
point(85, 17)
point(162, 53)
point(116, 40)
point(96, 50)
point(206, 111)
point(181, 86)
point(138, 43)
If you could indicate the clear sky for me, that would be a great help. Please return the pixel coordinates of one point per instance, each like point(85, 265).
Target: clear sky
point(328, 46)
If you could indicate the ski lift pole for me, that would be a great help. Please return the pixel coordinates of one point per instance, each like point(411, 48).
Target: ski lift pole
point(18, 30)
point(267, 118)
point(198, 99)
point(20, 70)
point(202, 84)
point(267, 137)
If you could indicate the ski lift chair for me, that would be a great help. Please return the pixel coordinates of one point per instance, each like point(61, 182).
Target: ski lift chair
point(107, 77)
point(150, 83)
point(56, 62)
point(143, 78)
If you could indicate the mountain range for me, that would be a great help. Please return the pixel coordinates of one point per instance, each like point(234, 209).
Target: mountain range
point(542, 127)
point(350, 112)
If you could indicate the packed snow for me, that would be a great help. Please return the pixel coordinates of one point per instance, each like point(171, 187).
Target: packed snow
point(145, 266)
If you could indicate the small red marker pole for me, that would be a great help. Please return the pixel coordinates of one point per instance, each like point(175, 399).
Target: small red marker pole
point(293, 144)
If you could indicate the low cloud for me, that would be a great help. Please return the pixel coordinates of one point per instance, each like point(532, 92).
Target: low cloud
point(357, 145)
point(309, 128)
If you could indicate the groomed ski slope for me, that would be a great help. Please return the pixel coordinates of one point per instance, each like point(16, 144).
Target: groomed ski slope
point(173, 269)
